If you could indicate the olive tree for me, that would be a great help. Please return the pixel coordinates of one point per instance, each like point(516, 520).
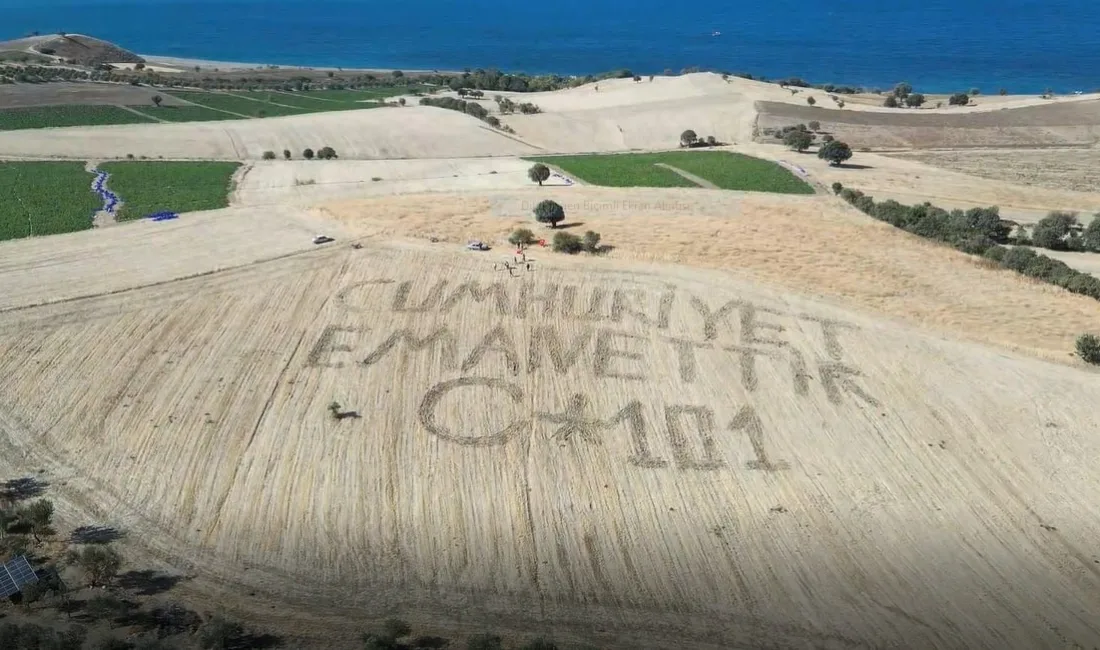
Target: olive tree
point(836, 152)
point(688, 138)
point(548, 211)
point(538, 173)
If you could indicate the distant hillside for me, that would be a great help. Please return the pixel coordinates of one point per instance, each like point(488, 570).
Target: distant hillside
point(84, 50)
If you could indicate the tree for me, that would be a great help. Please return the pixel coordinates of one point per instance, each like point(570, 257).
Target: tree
point(549, 212)
point(835, 152)
point(688, 138)
point(157, 99)
point(1091, 235)
point(902, 90)
point(100, 563)
point(522, 237)
point(591, 242)
point(397, 74)
point(139, 66)
point(958, 99)
point(396, 628)
point(914, 100)
point(651, 78)
point(401, 101)
point(837, 187)
point(219, 634)
point(326, 153)
point(564, 242)
point(269, 155)
point(811, 101)
point(307, 153)
point(890, 101)
point(1003, 92)
point(1088, 348)
point(712, 141)
point(974, 92)
point(814, 125)
point(798, 140)
point(538, 173)
point(637, 78)
point(38, 516)
point(827, 138)
point(106, 607)
point(1053, 230)
point(286, 154)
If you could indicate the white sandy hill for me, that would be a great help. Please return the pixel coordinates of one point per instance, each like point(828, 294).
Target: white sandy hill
point(412, 132)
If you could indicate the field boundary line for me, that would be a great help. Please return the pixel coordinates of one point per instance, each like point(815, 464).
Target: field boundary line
point(222, 110)
point(698, 180)
point(137, 112)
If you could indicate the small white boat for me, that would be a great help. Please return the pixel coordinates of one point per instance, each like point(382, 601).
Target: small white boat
point(716, 33)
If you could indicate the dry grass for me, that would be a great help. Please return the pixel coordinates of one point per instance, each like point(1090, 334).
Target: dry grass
point(813, 246)
point(208, 435)
point(1059, 169)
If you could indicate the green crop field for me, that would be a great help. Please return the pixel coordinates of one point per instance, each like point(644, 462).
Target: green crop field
point(149, 187)
point(619, 170)
point(45, 198)
point(734, 171)
point(185, 113)
point(727, 170)
point(40, 117)
point(235, 104)
point(367, 94)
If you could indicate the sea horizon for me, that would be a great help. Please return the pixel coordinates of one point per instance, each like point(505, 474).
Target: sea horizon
point(938, 46)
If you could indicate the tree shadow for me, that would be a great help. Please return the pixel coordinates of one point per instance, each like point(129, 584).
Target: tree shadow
point(148, 583)
point(429, 642)
point(18, 489)
point(343, 415)
point(571, 224)
point(96, 535)
point(604, 249)
point(250, 641)
point(851, 166)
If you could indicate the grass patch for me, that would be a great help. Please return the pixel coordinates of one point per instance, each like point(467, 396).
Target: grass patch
point(235, 104)
point(619, 170)
point(727, 170)
point(185, 113)
point(41, 117)
point(45, 198)
point(734, 171)
point(149, 187)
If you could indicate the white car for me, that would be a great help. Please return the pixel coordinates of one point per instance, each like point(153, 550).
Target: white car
point(477, 245)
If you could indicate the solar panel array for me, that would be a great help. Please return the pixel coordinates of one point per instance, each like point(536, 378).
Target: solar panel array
point(16, 573)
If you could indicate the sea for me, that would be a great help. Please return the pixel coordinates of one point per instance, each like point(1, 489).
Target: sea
point(1022, 46)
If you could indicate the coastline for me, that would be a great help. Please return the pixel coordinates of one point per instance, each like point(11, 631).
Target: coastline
point(237, 66)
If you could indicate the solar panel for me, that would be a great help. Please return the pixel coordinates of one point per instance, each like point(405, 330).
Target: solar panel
point(17, 572)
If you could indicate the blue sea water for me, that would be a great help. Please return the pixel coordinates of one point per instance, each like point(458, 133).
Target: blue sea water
point(1024, 46)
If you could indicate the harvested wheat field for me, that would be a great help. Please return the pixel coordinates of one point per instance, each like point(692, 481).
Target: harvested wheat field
point(412, 132)
point(582, 447)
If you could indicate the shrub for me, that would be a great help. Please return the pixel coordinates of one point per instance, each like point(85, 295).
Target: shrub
point(307, 153)
point(902, 90)
point(522, 237)
point(538, 173)
point(326, 153)
point(974, 92)
point(269, 155)
point(157, 99)
point(591, 242)
point(798, 140)
point(1090, 237)
point(688, 138)
point(995, 253)
point(565, 242)
point(548, 211)
point(1003, 92)
point(1088, 348)
point(286, 154)
point(914, 100)
point(1018, 259)
point(835, 152)
point(827, 138)
point(1053, 230)
point(712, 141)
point(484, 642)
point(958, 99)
point(890, 102)
point(837, 187)
point(814, 125)
point(100, 563)
point(401, 101)
point(811, 101)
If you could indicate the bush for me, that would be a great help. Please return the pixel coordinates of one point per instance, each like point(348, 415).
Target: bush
point(974, 92)
point(1088, 348)
point(688, 138)
point(522, 237)
point(326, 153)
point(902, 90)
point(1053, 230)
point(890, 102)
point(837, 187)
point(798, 140)
point(1090, 237)
point(959, 99)
point(592, 242)
point(565, 242)
point(269, 155)
point(538, 173)
point(307, 153)
point(712, 141)
point(484, 641)
point(914, 100)
point(811, 101)
point(548, 211)
point(1003, 92)
point(286, 154)
point(814, 125)
point(827, 138)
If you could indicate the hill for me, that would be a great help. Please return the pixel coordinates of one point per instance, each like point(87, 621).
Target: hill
point(83, 50)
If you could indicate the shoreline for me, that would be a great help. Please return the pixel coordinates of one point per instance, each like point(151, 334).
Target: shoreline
point(236, 66)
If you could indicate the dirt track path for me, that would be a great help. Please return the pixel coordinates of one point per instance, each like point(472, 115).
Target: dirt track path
point(698, 180)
